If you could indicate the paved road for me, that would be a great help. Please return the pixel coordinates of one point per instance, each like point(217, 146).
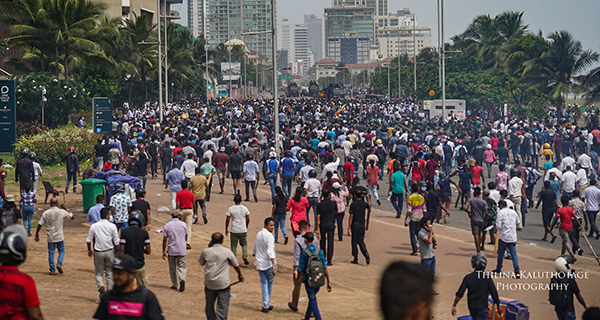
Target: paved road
point(532, 232)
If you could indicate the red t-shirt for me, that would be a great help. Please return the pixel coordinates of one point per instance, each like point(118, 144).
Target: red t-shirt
point(417, 170)
point(476, 172)
point(186, 199)
point(349, 171)
point(17, 293)
point(221, 159)
point(494, 142)
point(372, 174)
point(178, 151)
point(565, 214)
point(431, 169)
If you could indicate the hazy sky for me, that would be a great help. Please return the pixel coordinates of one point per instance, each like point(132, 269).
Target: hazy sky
point(580, 17)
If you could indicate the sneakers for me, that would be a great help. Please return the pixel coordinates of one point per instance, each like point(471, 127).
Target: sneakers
point(291, 307)
point(378, 202)
point(205, 220)
point(580, 251)
point(355, 261)
point(246, 261)
point(60, 270)
point(286, 241)
point(181, 286)
point(101, 291)
point(368, 258)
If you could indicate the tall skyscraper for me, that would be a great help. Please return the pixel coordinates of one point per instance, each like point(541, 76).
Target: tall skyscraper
point(228, 19)
point(301, 50)
point(285, 38)
point(402, 34)
point(349, 32)
point(315, 35)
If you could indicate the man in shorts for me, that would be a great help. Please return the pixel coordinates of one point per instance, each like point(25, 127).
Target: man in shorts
point(236, 161)
point(477, 208)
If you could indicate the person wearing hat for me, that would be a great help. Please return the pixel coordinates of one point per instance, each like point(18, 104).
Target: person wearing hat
point(127, 299)
point(18, 297)
point(9, 208)
point(53, 219)
point(489, 157)
point(221, 160)
point(479, 287)
point(236, 161)
point(562, 288)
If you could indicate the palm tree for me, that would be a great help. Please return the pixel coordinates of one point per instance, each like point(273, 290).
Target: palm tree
point(563, 58)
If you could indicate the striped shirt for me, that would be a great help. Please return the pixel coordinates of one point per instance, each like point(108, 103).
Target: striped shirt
point(27, 199)
point(415, 205)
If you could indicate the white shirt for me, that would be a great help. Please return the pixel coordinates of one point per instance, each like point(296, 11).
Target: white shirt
point(53, 219)
point(189, 168)
point(37, 169)
point(585, 161)
point(264, 250)
point(313, 187)
point(569, 179)
point(567, 161)
point(514, 186)
point(303, 173)
point(507, 221)
point(495, 195)
point(238, 215)
point(592, 197)
point(582, 179)
point(104, 235)
point(332, 166)
point(556, 172)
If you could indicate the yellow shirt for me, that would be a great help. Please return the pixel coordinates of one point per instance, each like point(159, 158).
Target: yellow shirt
point(547, 152)
point(198, 185)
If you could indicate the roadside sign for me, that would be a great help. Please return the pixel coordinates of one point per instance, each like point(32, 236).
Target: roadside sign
point(432, 93)
point(102, 110)
point(8, 115)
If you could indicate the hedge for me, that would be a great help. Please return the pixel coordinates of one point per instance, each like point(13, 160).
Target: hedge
point(52, 145)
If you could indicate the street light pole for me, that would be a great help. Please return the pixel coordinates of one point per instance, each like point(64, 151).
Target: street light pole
point(415, 53)
point(166, 62)
point(439, 47)
point(399, 87)
point(160, 95)
point(205, 45)
point(443, 51)
point(274, 57)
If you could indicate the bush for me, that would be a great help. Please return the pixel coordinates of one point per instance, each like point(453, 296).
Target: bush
point(30, 128)
point(52, 145)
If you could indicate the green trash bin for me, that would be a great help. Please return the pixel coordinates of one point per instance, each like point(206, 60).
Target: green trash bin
point(91, 188)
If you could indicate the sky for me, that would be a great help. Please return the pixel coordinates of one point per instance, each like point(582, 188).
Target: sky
point(580, 17)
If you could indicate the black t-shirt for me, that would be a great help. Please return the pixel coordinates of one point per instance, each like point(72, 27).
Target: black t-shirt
point(135, 239)
point(503, 154)
point(104, 151)
point(548, 197)
point(358, 209)
point(166, 154)
point(138, 304)
point(236, 161)
point(16, 212)
point(143, 206)
point(480, 286)
point(141, 167)
point(572, 287)
point(327, 210)
point(280, 205)
point(360, 190)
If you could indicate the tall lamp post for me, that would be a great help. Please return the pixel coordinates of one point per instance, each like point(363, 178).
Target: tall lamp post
point(160, 95)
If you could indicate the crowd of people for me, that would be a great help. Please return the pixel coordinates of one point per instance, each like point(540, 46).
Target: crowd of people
point(322, 153)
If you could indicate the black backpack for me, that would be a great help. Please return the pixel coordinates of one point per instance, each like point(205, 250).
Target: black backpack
point(560, 298)
point(531, 178)
point(7, 217)
point(315, 271)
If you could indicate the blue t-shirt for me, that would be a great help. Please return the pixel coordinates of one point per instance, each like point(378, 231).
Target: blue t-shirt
point(433, 201)
point(314, 143)
point(548, 165)
point(287, 167)
point(175, 176)
point(398, 179)
point(465, 177)
point(445, 190)
point(273, 166)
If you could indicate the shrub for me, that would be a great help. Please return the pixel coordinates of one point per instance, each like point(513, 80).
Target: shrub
point(30, 128)
point(52, 145)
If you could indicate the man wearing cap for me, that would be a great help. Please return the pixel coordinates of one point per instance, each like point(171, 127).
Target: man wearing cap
point(72, 169)
point(236, 161)
point(9, 204)
point(175, 235)
point(221, 160)
point(105, 238)
point(216, 260)
point(128, 299)
point(53, 219)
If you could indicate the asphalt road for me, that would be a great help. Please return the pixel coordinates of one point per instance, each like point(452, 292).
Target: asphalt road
point(531, 234)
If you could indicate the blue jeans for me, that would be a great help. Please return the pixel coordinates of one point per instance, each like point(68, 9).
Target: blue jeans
point(273, 183)
point(313, 307)
point(340, 171)
point(429, 263)
point(72, 176)
point(381, 168)
point(448, 165)
point(27, 215)
point(52, 246)
point(397, 202)
point(312, 203)
point(287, 185)
point(166, 167)
point(121, 226)
point(568, 315)
point(592, 218)
point(414, 228)
point(266, 282)
point(512, 249)
point(279, 221)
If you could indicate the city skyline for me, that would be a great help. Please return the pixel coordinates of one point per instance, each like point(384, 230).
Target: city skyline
point(545, 15)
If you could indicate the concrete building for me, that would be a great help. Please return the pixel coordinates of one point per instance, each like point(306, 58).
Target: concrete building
point(301, 50)
point(126, 8)
point(285, 38)
point(355, 24)
point(228, 19)
point(326, 68)
point(401, 34)
point(315, 35)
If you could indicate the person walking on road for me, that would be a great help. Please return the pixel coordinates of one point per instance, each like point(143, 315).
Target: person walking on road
point(216, 260)
point(236, 162)
point(507, 221)
point(135, 242)
point(120, 206)
point(477, 209)
point(479, 288)
point(175, 235)
point(566, 214)
point(239, 216)
point(338, 193)
point(397, 186)
point(426, 238)
point(53, 219)
point(307, 269)
point(299, 245)
point(128, 297)
point(104, 237)
point(27, 204)
point(325, 227)
point(547, 198)
point(415, 208)
point(360, 212)
point(264, 250)
point(173, 182)
point(592, 196)
point(251, 176)
point(24, 170)
point(185, 203)
point(299, 206)
point(198, 186)
point(278, 213)
point(562, 288)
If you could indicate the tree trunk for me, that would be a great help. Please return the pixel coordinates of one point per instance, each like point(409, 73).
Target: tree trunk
point(56, 61)
point(145, 83)
point(66, 67)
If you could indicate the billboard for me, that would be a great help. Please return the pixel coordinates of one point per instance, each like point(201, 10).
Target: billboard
point(8, 115)
point(102, 110)
point(235, 68)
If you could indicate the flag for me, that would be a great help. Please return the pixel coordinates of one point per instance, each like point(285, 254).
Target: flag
point(337, 113)
point(224, 99)
point(184, 116)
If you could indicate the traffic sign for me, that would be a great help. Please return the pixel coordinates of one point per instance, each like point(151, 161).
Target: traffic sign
point(211, 86)
point(285, 77)
point(431, 93)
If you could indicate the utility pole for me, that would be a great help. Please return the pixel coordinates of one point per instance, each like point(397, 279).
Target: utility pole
point(166, 62)
point(206, 45)
point(439, 46)
point(443, 65)
point(160, 95)
point(415, 53)
point(399, 87)
point(274, 58)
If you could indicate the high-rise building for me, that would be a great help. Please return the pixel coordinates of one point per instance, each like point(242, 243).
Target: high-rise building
point(402, 34)
point(301, 50)
point(229, 19)
point(354, 23)
point(285, 37)
point(315, 35)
